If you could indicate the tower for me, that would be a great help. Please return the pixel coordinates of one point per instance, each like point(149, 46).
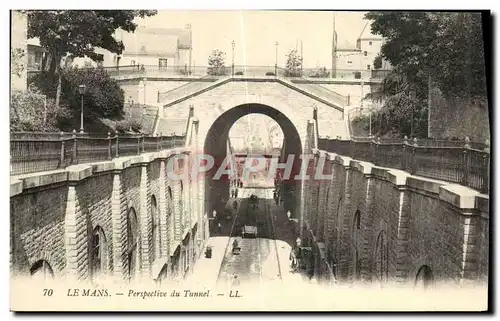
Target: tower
point(334, 49)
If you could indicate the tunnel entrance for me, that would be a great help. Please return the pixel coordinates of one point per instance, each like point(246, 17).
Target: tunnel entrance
point(218, 188)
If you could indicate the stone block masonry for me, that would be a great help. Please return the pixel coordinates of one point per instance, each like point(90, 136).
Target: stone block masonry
point(385, 226)
point(119, 219)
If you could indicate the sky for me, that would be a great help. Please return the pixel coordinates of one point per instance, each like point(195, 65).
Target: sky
point(256, 32)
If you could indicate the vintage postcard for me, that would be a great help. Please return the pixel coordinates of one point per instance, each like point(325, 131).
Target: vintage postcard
point(165, 160)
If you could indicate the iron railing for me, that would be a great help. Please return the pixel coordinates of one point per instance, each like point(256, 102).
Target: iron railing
point(464, 163)
point(244, 70)
point(30, 155)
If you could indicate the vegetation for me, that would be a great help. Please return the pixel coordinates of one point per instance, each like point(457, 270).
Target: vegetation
point(16, 65)
point(293, 66)
point(447, 49)
point(377, 62)
point(321, 73)
point(33, 111)
point(66, 34)
point(216, 63)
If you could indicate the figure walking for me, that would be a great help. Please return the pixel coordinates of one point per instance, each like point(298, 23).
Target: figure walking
point(236, 282)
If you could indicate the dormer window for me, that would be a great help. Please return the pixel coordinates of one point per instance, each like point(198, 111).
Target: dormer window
point(349, 62)
point(370, 43)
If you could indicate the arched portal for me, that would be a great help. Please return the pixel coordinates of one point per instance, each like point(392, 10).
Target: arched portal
point(356, 242)
point(98, 250)
point(155, 236)
point(215, 145)
point(41, 270)
point(132, 240)
point(424, 278)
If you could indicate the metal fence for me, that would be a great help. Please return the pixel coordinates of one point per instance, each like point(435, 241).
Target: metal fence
point(244, 70)
point(464, 163)
point(51, 153)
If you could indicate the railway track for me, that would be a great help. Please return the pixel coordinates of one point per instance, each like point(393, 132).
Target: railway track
point(258, 258)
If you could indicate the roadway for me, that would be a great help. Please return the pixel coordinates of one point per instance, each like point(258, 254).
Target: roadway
point(258, 259)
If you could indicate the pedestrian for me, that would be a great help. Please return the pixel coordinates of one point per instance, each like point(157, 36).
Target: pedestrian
point(220, 227)
point(236, 282)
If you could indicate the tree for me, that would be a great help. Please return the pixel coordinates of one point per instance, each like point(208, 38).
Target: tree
point(445, 45)
point(293, 66)
point(216, 63)
point(16, 65)
point(377, 62)
point(76, 33)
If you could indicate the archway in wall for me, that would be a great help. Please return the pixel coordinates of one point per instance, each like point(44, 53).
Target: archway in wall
point(41, 270)
point(356, 242)
point(98, 253)
point(217, 191)
point(155, 236)
point(424, 278)
point(381, 258)
point(132, 240)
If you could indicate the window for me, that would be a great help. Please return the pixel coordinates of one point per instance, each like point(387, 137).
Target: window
point(369, 43)
point(349, 62)
point(368, 67)
point(365, 53)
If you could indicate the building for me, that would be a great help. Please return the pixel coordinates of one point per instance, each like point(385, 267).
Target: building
point(347, 57)
point(158, 47)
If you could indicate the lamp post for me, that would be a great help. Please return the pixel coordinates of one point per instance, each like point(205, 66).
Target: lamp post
point(276, 61)
point(81, 89)
point(144, 83)
point(232, 66)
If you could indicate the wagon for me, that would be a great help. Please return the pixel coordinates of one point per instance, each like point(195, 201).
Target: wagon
point(249, 231)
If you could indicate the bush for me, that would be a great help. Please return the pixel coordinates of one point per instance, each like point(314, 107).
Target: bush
point(269, 73)
point(32, 111)
point(128, 125)
point(217, 71)
point(103, 96)
point(239, 73)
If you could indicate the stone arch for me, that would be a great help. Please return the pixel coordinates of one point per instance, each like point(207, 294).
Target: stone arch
point(381, 258)
point(214, 133)
point(132, 243)
point(155, 220)
point(424, 278)
point(42, 269)
point(163, 275)
point(98, 252)
point(356, 245)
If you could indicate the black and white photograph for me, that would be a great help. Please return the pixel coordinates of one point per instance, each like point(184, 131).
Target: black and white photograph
point(250, 160)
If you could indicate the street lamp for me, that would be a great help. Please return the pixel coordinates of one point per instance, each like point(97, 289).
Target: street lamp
point(144, 83)
point(81, 90)
point(233, 44)
point(276, 61)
